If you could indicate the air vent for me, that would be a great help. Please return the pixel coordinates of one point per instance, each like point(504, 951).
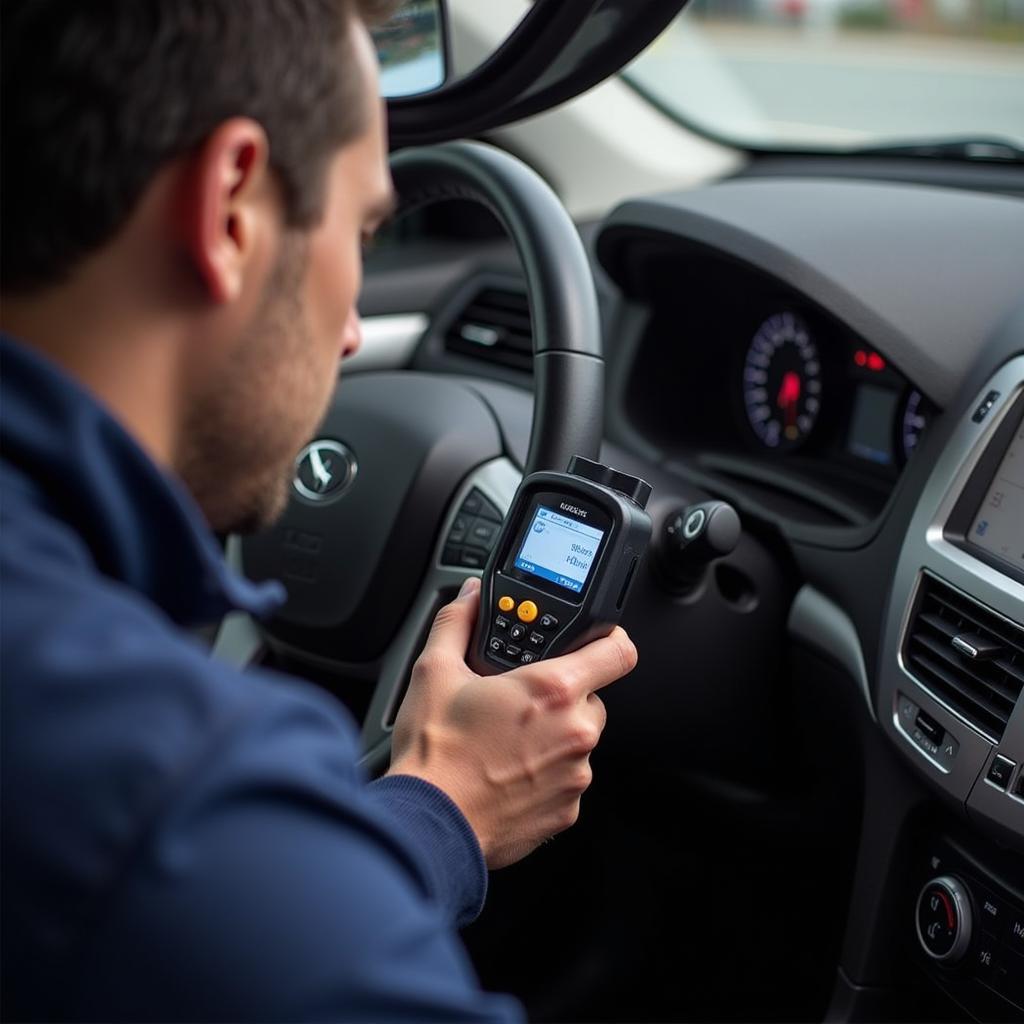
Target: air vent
point(968, 656)
point(495, 326)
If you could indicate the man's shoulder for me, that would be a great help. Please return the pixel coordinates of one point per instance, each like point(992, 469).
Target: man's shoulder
point(92, 668)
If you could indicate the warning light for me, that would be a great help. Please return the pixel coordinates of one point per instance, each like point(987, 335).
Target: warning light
point(872, 360)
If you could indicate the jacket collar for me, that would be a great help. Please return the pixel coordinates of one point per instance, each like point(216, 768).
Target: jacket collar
point(140, 524)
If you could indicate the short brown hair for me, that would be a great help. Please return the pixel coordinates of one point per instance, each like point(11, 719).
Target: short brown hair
point(98, 95)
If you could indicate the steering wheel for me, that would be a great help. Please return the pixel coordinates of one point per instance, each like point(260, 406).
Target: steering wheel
point(361, 547)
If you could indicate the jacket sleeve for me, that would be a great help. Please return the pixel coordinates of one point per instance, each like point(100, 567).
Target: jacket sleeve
point(274, 885)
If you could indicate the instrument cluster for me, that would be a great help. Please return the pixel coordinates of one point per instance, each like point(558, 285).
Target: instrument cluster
point(792, 380)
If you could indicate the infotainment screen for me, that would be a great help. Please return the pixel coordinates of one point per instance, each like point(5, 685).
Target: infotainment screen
point(998, 527)
point(559, 549)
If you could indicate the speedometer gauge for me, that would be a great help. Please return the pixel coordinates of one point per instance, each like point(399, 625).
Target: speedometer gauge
point(782, 382)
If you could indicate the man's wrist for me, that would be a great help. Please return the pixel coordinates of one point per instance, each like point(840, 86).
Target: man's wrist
point(445, 837)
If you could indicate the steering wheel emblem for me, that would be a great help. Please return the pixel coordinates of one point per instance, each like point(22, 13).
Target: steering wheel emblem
point(324, 470)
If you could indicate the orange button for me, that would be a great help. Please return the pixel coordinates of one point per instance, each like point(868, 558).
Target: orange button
point(527, 611)
point(506, 604)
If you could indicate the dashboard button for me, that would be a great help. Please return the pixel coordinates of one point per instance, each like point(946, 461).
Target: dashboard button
point(548, 622)
point(985, 406)
point(537, 639)
point(527, 611)
point(496, 645)
point(987, 958)
point(500, 622)
point(1000, 770)
point(506, 604)
point(1013, 931)
point(944, 919)
point(908, 712)
point(512, 651)
point(517, 632)
point(527, 658)
point(930, 727)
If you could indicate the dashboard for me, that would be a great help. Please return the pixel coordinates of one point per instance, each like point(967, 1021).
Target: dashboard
point(843, 362)
point(756, 383)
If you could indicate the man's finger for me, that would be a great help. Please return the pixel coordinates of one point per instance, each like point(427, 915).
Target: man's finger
point(453, 625)
point(569, 678)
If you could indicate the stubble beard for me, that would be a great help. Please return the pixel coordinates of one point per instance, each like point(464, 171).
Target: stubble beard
point(243, 433)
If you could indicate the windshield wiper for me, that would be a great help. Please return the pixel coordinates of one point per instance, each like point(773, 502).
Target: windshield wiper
point(997, 150)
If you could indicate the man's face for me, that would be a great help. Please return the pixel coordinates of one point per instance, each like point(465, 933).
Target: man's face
point(243, 433)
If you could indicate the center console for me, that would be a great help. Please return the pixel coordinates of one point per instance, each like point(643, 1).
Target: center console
point(950, 699)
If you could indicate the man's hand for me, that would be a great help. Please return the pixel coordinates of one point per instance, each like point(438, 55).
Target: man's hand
point(512, 751)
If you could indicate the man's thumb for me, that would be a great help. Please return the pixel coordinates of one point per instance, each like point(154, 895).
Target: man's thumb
point(453, 625)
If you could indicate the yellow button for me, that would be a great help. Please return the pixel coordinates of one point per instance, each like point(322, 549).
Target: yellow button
point(506, 604)
point(527, 611)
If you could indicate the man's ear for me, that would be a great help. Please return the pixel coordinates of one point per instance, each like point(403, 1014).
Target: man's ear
point(223, 204)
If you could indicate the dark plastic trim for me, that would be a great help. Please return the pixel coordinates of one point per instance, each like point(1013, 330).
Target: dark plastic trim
point(558, 50)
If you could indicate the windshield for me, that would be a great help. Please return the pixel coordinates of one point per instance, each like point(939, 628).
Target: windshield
point(825, 74)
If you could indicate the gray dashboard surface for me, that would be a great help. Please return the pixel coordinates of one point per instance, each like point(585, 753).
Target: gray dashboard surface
point(925, 274)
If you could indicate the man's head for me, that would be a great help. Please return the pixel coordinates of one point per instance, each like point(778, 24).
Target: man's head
point(221, 161)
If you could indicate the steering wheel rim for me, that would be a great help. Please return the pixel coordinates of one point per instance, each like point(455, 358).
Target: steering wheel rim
point(567, 414)
point(568, 365)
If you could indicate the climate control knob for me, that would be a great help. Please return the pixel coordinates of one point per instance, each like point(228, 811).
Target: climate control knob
point(944, 919)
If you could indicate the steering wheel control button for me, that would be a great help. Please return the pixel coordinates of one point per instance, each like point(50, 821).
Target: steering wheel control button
point(506, 603)
point(548, 622)
point(477, 505)
point(985, 406)
point(457, 534)
point(999, 771)
point(472, 558)
point(944, 919)
point(496, 645)
point(483, 532)
point(500, 622)
point(527, 611)
point(537, 639)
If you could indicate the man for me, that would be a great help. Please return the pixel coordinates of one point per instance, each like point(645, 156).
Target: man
point(186, 184)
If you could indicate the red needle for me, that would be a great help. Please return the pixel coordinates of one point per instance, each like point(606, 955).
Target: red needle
point(789, 395)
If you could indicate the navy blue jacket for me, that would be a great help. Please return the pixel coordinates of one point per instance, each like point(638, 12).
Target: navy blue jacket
point(182, 840)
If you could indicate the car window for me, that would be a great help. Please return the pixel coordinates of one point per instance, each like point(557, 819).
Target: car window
point(820, 74)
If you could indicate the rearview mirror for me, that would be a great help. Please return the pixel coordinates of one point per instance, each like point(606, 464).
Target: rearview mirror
point(411, 48)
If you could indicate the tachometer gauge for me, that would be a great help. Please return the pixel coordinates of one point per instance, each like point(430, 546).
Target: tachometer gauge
point(913, 422)
point(782, 382)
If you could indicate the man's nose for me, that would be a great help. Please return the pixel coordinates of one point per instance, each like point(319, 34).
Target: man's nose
point(352, 336)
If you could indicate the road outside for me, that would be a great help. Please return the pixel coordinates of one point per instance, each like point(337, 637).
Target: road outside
point(820, 84)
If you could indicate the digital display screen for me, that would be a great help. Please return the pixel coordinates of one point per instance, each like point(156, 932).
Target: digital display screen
point(872, 424)
point(999, 525)
point(559, 549)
